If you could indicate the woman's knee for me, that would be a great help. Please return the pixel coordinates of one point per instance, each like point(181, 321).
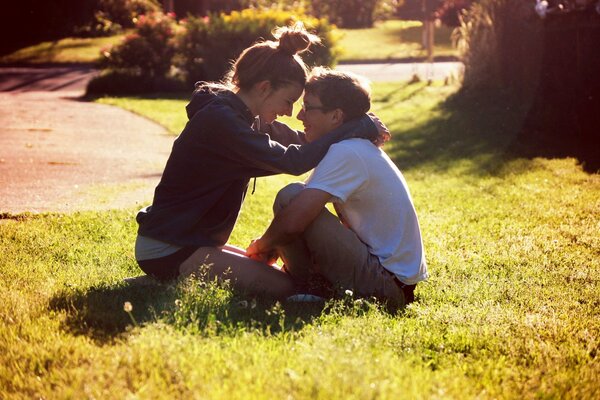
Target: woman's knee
point(286, 194)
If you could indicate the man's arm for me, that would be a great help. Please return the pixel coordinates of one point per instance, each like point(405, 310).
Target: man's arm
point(290, 222)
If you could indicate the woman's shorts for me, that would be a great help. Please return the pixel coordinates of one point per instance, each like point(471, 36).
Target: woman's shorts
point(166, 268)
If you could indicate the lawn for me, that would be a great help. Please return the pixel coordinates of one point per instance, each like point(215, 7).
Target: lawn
point(510, 310)
point(392, 39)
point(63, 51)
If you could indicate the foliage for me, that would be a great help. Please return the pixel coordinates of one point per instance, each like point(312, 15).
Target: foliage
point(499, 42)
point(148, 51)
point(126, 12)
point(343, 13)
point(111, 16)
point(207, 45)
point(448, 12)
point(119, 83)
point(349, 13)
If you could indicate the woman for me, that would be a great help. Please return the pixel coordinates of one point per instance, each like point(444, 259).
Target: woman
point(202, 188)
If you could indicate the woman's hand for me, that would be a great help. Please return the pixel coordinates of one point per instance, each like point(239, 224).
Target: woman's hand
point(384, 132)
point(253, 251)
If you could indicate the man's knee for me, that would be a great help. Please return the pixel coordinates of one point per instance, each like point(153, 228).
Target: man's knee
point(286, 194)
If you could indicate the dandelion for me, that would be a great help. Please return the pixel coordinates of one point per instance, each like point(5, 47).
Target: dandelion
point(178, 303)
point(127, 307)
point(349, 293)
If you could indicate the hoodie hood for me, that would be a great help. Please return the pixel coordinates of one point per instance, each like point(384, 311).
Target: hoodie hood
point(207, 93)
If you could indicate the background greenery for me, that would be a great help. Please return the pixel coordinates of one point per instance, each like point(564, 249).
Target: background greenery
point(510, 310)
point(391, 39)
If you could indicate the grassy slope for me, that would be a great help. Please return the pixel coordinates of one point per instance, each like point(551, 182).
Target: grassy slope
point(510, 310)
point(68, 50)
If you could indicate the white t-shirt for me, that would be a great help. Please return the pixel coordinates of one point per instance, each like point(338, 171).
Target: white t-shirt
point(374, 200)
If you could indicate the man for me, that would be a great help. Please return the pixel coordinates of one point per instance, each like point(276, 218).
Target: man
point(375, 247)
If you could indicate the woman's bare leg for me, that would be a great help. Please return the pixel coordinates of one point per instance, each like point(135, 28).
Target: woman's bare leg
point(244, 273)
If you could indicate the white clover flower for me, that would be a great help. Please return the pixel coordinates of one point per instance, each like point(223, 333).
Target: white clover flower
point(349, 293)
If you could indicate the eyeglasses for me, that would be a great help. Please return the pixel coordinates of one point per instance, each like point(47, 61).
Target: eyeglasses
point(307, 108)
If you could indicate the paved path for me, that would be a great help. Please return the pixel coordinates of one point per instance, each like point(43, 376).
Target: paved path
point(58, 153)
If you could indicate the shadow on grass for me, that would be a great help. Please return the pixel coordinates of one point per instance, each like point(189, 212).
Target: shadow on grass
point(195, 307)
point(477, 128)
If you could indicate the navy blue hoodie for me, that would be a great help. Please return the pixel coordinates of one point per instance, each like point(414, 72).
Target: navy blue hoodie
point(206, 176)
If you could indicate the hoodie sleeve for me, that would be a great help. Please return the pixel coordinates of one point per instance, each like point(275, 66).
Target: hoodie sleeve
point(237, 141)
point(283, 134)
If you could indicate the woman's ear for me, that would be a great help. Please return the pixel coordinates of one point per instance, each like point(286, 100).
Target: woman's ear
point(263, 88)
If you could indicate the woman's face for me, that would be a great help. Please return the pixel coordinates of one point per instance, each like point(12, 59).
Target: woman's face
point(279, 101)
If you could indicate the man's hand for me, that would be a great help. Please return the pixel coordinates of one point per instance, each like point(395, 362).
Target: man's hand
point(384, 132)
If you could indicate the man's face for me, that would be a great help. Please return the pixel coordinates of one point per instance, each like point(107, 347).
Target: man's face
point(317, 121)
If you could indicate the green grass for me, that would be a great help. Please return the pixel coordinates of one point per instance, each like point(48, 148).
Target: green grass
point(510, 310)
point(393, 39)
point(68, 50)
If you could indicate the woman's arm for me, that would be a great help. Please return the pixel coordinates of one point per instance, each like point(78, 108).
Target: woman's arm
point(285, 135)
point(238, 142)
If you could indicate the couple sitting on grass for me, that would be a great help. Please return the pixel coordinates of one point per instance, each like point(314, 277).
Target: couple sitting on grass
point(373, 246)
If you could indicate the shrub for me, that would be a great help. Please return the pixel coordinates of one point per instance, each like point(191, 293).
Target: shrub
point(499, 42)
point(147, 52)
point(207, 45)
point(350, 13)
point(125, 12)
point(122, 83)
point(449, 11)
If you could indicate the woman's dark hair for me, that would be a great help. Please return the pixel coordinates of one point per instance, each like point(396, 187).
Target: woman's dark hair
point(275, 61)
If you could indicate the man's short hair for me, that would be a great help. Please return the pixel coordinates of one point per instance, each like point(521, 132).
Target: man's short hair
point(346, 91)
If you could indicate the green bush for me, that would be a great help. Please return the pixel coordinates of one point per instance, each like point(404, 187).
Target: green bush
point(348, 13)
point(500, 45)
point(147, 52)
point(200, 48)
point(111, 16)
point(207, 45)
point(111, 82)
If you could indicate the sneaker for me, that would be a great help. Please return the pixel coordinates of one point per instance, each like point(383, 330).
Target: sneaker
point(305, 298)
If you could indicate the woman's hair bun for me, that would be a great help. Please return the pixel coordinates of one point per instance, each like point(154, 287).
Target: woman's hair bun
point(294, 39)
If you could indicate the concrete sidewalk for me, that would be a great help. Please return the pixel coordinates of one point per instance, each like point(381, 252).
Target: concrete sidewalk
point(58, 153)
